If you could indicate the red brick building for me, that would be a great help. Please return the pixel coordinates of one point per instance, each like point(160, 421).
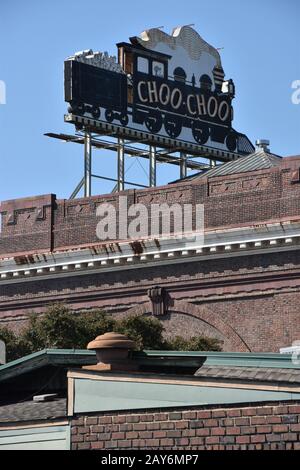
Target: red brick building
point(178, 401)
point(242, 287)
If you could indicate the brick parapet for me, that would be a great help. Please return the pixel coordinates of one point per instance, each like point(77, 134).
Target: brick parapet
point(45, 223)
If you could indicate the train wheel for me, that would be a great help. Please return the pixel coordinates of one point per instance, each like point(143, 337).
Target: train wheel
point(231, 141)
point(95, 112)
point(200, 132)
point(173, 126)
point(154, 122)
point(76, 108)
point(124, 119)
point(109, 115)
point(81, 109)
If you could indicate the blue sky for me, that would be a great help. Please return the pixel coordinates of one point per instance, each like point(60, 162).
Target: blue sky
point(261, 53)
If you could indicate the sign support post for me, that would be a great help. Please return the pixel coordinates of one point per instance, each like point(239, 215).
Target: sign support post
point(152, 166)
point(87, 164)
point(121, 162)
point(183, 166)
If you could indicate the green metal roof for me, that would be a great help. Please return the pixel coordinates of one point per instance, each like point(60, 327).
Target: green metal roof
point(272, 360)
point(75, 357)
point(56, 357)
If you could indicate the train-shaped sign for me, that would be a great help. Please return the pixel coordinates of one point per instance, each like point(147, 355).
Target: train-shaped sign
point(168, 87)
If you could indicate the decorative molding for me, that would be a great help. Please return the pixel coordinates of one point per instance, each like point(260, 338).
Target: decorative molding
point(262, 239)
point(41, 213)
point(50, 265)
point(295, 176)
point(159, 301)
point(182, 37)
point(234, 186)
point(11, 218)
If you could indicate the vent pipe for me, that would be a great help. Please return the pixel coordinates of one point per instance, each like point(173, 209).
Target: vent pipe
point(263, 144)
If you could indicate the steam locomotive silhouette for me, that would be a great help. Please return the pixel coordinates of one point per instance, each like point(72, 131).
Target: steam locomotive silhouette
point(141, 92)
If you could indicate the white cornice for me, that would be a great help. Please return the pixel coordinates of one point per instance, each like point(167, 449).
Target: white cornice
point(269, 238)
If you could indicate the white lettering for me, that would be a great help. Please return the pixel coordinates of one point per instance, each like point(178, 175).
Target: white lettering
point(138, 228)
point(175, 92)
point(212, 112)
point(164, 94)
point(224, 115)
point(296, 94)
point(161, 216)
point(107, 227)
point(152, 91)
point(196, 105)
point(189, 105)
point(201, 105)
point(142, 99)
point(123, 217)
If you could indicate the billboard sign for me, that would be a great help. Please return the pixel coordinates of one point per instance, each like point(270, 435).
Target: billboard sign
point(169, 90)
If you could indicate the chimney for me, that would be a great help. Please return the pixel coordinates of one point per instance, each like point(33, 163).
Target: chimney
point(113, 353)
point(263, 144)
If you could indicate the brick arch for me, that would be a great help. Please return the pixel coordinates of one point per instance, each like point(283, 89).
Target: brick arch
point(201, 313)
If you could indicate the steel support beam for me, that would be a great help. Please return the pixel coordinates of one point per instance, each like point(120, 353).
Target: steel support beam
point(152, 166)
point(87, 164)
point(77, 189)
point(183, 165)
point(106, 178)
point(164, 156)
point(121, 164)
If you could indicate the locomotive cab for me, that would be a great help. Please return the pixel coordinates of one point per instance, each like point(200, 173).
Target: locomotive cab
point(136, 59)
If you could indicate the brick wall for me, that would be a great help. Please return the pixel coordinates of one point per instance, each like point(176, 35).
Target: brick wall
point(46, 223)
point(252, 295)
point(27, 226)
point(265, 427)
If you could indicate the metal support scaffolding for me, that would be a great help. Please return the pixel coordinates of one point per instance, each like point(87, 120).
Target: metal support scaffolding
point(106, 178)
point(185, 160)
point(121, 164)
point(152, 166)
point(183, 166)
point(87, 164)
point(162, 156)
point(77, 189)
